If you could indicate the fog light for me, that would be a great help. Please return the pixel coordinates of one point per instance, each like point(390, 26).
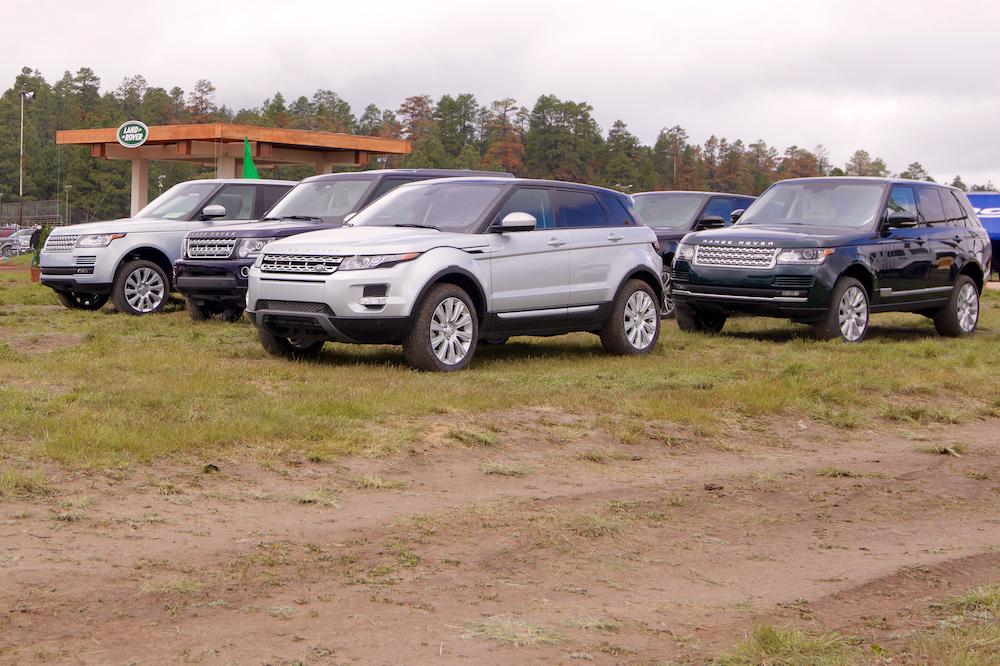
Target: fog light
point(373, 301)
point(245, 271)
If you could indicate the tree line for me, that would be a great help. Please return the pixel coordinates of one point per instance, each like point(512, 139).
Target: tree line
point(554, 139)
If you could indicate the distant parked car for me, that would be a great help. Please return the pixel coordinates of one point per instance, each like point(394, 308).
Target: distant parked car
point(672, 214)
point(830, 251)
point(438, 266)
point(215, 261)
point(24, 240)
point(987, 207)
point(131, 261)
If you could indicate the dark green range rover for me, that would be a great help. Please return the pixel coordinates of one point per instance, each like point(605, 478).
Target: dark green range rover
point(831, 251)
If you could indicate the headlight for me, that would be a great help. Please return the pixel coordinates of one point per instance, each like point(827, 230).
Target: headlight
point(251, 247)
point(97, 240)
point(685, 252)
point(804, 255)
point(184, 248)
point(361, 262)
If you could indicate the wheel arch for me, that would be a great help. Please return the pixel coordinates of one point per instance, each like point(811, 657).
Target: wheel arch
point(862, 275)
point(974, 271)
point(150, 254)
point(459, 278)
point(646, 275)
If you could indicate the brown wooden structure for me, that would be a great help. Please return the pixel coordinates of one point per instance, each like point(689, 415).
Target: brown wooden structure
point(221, 145)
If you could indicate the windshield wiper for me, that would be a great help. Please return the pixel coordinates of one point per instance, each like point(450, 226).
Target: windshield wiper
point(305, 218)
point(416, 226)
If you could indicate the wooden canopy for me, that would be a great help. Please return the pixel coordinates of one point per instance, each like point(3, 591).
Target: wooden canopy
point(221, 145)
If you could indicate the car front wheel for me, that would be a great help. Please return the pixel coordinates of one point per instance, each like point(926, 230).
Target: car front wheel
point(140, 287)
point(634, 325)
point(75, 300)
point(700, 322)
point(288, 347)
point(444, 332)
point(847, 317)
point(961, 315)
point(207, 311)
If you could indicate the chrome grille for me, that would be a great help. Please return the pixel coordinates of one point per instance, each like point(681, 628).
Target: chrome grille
point(793, 281)
point(210, 248)
point(86, 261)
point(300, 263)
point(60, 243)
point(294, 306)
point(735, 257)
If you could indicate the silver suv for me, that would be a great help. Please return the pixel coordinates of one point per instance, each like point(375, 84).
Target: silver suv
point(441, 265)
point(131, 261)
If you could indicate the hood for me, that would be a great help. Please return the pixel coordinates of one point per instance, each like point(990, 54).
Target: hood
point(126, 225)
point(265, 229)
point(779, 235)
point(347, 241)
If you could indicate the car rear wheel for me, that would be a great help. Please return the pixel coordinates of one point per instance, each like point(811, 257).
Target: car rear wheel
point(207, 311)
point(847, 317)
point(288, 347)
point(668, 304)
point(76, 300)
point(140, 287)
point(634, 325)
point(961, 315)
point(445, 331)
point(700, 322)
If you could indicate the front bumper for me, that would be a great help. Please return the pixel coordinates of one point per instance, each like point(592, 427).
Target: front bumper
point(82, 272)
point(212, 281)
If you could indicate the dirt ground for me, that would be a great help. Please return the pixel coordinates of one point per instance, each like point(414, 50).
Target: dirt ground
point(541, 539)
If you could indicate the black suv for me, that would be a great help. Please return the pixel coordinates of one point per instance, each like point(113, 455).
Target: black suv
point(214, 264)
point(673, 214)
point(829, 251)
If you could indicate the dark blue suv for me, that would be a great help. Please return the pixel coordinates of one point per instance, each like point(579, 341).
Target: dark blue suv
point(830, 251)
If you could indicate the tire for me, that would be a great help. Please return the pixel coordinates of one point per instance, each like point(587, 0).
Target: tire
point(76, 300)
point(208, 311)
point(847, 317)
point(700, 322)
point(667, 312)
point(445, 331)
point(7, 250)
point(140, 287)
point(961, 315)
point(634, 326)
point(288, 347)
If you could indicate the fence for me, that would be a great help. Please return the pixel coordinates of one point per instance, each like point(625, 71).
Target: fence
point(42, 212)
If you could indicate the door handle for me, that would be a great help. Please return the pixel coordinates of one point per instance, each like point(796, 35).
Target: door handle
point(615, 237)
point(555, 242)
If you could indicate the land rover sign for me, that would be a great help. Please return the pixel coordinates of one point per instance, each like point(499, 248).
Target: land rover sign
point(132, 134)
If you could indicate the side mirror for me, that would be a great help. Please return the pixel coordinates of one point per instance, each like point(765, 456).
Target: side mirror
point(213, 212)
point(518, 222)
point(902, 218)
point(710, 222)
point(737, 214)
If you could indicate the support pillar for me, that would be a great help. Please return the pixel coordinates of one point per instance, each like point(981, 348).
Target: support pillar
point(226, 167)
point(140, 184)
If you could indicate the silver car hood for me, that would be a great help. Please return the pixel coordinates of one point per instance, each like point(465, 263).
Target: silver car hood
point(121, 226)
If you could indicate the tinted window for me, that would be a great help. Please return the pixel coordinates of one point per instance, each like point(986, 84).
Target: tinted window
point(953, 211)
point(903, 200)
point(668, 210)
point(272, 193)
point(930, 206)
point(237, 200)
point(581, 209)
point(620, 215)
point(388, 185)
point(721, 207)
point(532, 200)
point(832, 202)
point(178, 201)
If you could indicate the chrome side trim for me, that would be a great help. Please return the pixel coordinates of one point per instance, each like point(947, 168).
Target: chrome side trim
point(779, 299)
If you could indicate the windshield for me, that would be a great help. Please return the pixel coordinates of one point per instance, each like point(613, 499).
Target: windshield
point(326, 200)
point(448, 206)
point(823, 203)
point(178, 201)
point(668, 211)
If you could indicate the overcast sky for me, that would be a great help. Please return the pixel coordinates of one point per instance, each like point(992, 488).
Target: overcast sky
point(906, 81)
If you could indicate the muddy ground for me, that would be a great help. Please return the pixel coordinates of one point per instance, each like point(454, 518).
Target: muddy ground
point(538, 539)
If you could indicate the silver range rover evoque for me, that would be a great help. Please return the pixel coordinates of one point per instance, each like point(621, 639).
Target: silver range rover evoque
point(439, 266)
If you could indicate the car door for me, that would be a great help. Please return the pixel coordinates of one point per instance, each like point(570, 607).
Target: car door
point(944, 240)
point(905, 257)
point(530, 269)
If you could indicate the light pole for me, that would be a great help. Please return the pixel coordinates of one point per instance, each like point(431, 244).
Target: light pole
point(25, 94)
point(159, 181)
point(69, 215)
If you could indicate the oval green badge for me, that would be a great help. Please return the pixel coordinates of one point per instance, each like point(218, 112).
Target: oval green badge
point(132, 134)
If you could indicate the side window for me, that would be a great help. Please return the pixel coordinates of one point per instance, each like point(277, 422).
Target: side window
point(581, 209)
point(532, 200)
point(721, 207)
point(388, 185)
point(237, 200)
point(930, 206)
point(272, 193)
point(953, 211)
point(620, 215)
point(902, 200)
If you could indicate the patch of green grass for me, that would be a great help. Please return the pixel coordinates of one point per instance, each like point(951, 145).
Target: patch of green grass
point(375, 482)
point(320, 497)
point(956, 449)
point(836, 472)
point(15, 484)
point(474, 439)
point(497, 468)
point(601, 455)
point(777, 646)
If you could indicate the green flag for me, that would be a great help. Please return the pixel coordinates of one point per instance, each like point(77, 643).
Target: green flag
point(249, 170)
